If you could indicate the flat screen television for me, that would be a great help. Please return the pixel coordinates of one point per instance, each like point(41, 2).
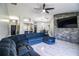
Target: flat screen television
point(69, 22)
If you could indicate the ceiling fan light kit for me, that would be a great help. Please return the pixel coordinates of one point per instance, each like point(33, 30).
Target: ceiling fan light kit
point(44, 9)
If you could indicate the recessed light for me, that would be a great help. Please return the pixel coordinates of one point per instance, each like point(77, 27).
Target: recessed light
point(13, 18)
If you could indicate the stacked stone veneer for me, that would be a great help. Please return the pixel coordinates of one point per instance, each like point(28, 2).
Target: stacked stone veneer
point(67, 34)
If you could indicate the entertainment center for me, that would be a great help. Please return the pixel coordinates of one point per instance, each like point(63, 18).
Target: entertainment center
point(67, 26)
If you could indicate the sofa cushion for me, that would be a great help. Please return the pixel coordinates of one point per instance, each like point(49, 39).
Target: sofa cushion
point(17, 38)
point(49, 40)
point(35, 40)
point(7, 47)
point(34, 35)
point(4, 51)
point(23, 49)
point(12, 43)
point(21, 37)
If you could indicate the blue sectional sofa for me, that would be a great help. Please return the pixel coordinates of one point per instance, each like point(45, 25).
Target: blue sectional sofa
point(22, 43)
point(9, 48)
point(34, 38)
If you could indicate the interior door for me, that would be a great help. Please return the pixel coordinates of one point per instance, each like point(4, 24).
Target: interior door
point(35, 28)
point(13, 29)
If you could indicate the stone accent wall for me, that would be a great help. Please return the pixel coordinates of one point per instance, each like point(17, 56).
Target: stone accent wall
point(67, 34)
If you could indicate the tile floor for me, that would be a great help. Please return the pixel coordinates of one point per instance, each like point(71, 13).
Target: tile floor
point(60, 48)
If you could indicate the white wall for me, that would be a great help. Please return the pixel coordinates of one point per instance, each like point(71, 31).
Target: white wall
point(3, 25)
point(3, 10)
point(3, 29)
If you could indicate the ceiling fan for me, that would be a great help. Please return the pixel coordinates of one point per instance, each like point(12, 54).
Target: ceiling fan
point(44, 9)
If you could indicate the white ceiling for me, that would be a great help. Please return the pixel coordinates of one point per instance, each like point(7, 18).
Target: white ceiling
point(26, 10)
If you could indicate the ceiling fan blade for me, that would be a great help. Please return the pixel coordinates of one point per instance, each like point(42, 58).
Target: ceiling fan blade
point(46, 11)
point(49, 8)
point(44, 6)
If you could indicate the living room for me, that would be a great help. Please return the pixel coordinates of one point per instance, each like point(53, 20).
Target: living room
point(44, 27)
